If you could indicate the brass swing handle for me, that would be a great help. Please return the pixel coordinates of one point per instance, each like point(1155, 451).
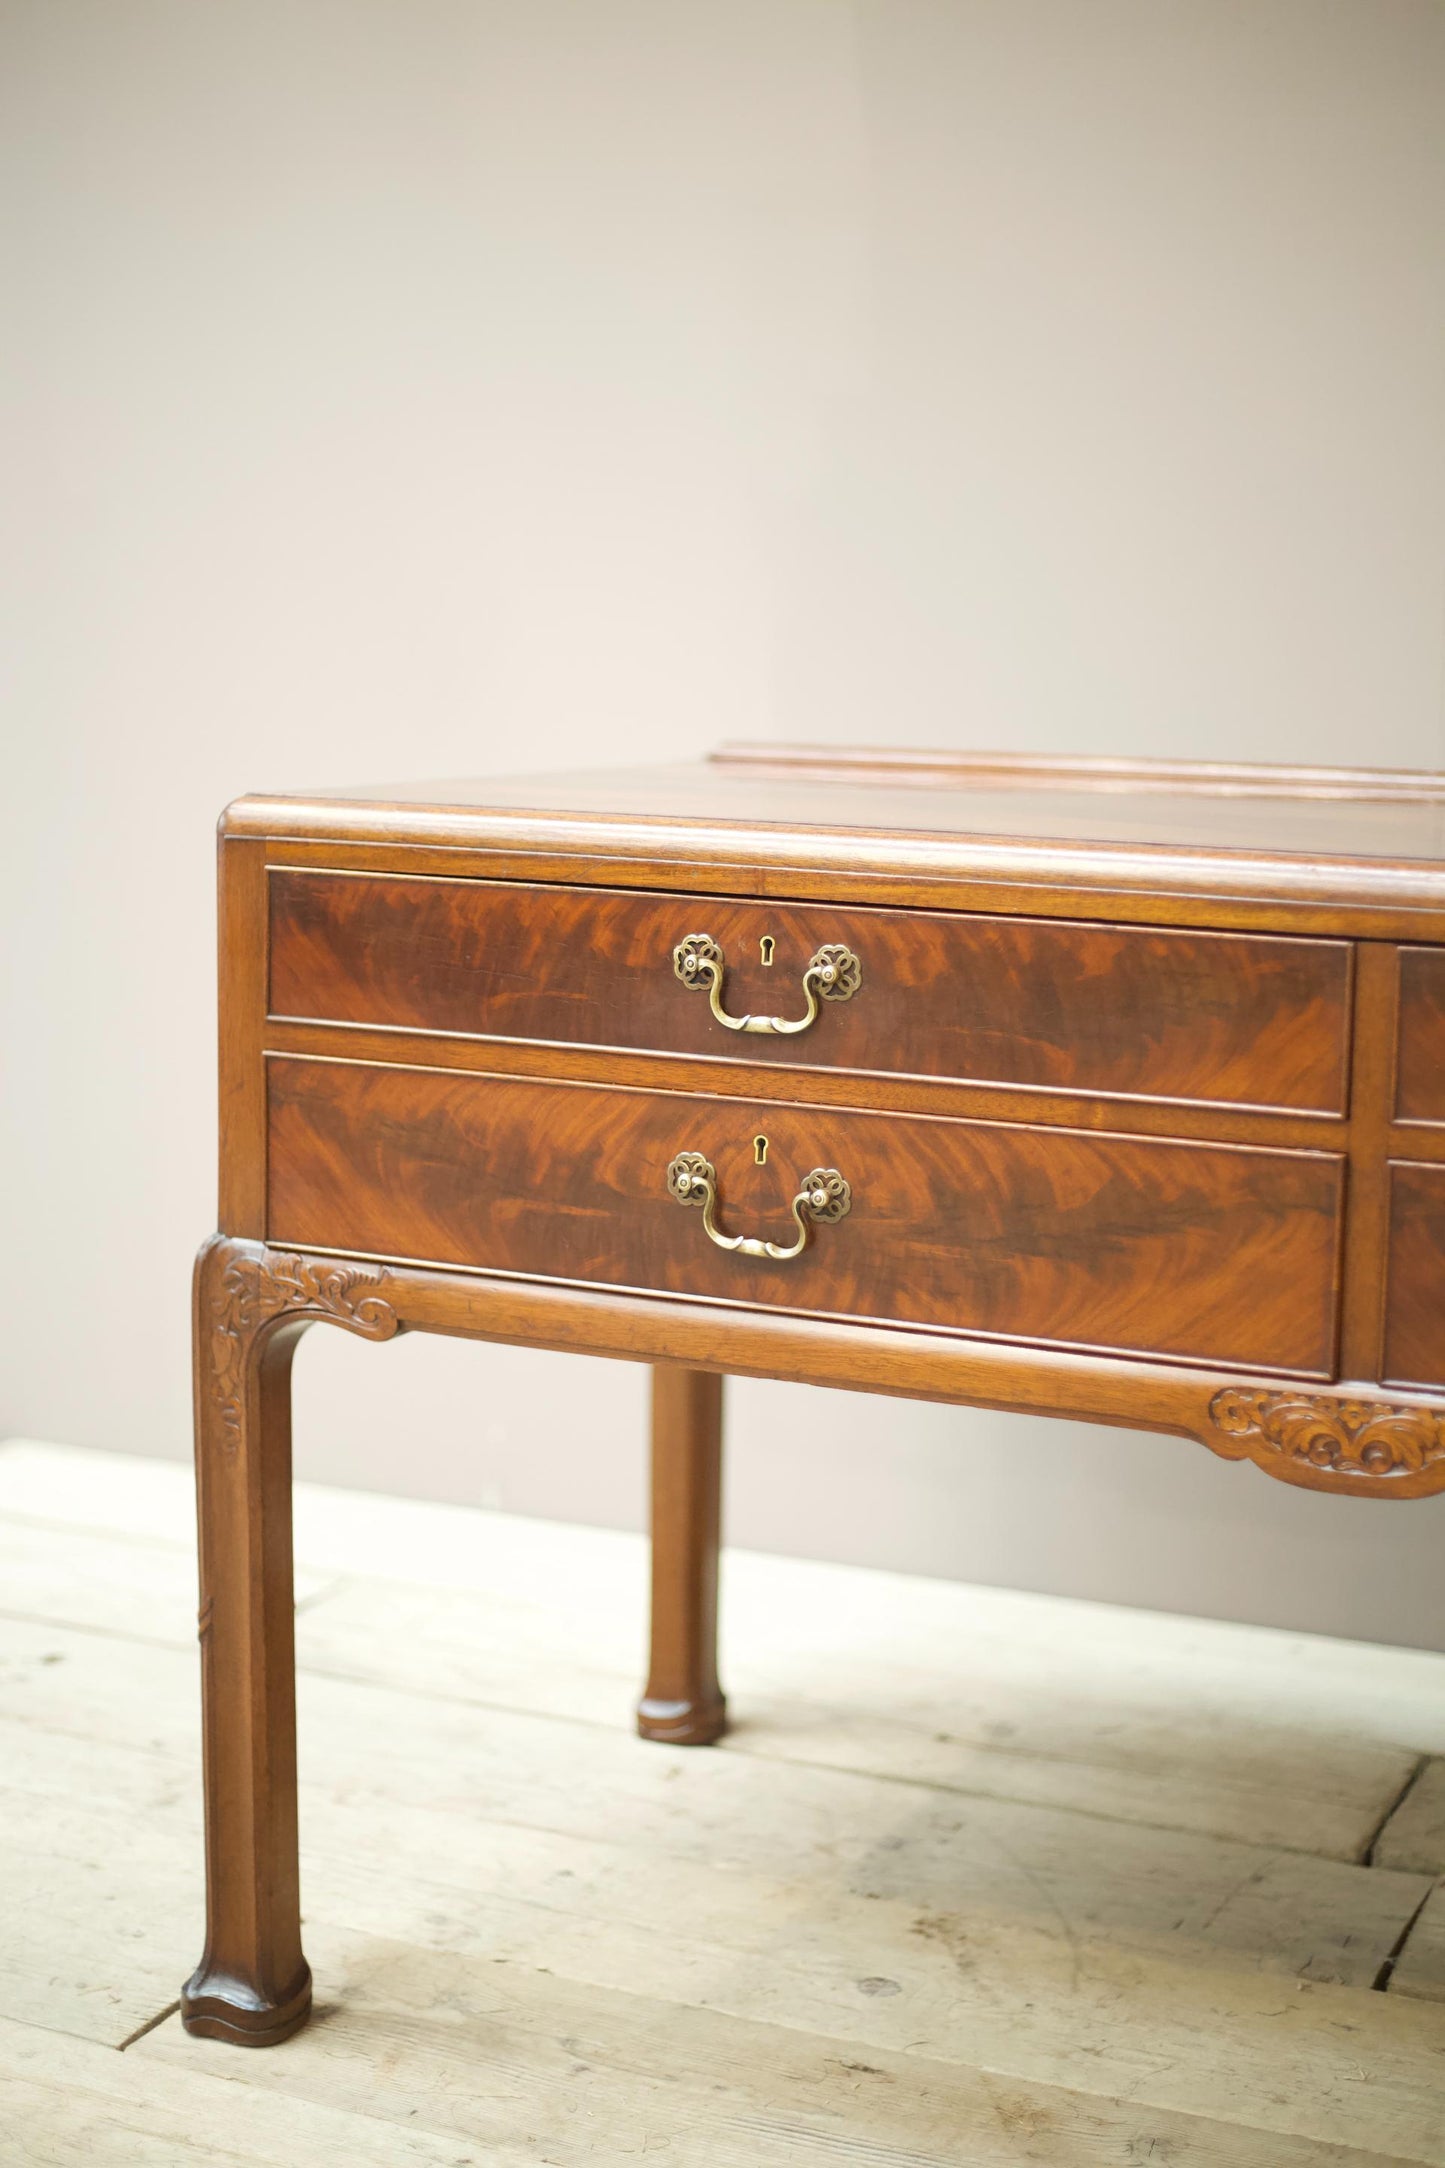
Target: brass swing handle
point(833, 974)
point(824, 1197)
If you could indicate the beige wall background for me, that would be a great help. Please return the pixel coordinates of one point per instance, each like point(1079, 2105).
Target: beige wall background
point(459, 387)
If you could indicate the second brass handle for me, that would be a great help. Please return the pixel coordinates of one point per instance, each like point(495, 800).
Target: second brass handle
point(833, 974)
point(824, 1198)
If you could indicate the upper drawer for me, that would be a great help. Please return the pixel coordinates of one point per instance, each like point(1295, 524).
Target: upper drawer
point(1228, 1019)
point(1420, 1066)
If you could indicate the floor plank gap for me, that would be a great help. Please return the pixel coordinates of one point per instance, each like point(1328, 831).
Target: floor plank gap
point(1368, 1856)
point(1386, 1972)
point(149, 2026)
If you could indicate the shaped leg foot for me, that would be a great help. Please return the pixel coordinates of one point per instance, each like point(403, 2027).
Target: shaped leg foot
point(215, 2008)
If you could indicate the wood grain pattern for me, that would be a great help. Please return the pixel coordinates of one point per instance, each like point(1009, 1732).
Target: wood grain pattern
point(1217, 1254)
point(1415, 1276)
point(1234, 1019)
point(1420, 1066)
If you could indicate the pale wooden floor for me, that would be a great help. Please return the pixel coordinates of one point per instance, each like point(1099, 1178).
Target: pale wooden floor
point(980, 1879)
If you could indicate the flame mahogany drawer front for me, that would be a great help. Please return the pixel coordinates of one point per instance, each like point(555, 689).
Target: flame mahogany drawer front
point(1415, 1276)
point(1221, 1018)
point(1215, 1253)
point(1420, 1064)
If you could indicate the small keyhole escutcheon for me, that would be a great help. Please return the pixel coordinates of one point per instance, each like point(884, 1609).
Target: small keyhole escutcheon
point(765, 948)
point(760, 1151)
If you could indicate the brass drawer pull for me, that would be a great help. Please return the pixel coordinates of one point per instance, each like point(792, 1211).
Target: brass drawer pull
point(833, 974)
point(824, 1197)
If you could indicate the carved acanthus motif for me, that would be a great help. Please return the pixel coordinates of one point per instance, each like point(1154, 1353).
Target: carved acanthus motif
point(1369, 1440)
point(255, 1290)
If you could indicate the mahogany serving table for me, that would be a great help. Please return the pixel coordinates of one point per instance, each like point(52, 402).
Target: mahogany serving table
point(1101, 1089)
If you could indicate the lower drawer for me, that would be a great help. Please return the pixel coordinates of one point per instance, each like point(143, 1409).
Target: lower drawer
point(1415, 1276)
point(1206, 1252)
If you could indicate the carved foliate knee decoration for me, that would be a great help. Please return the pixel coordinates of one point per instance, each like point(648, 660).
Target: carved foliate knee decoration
point(247, 1289)
point(1365, 1448)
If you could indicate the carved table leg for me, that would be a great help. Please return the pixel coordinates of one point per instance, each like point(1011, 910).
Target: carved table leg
point(683, 1703)
point(253, 1985)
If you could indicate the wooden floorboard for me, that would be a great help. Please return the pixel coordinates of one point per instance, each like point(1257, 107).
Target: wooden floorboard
point(985, 1879)
point(485, 2049)
point(66, 2103)
point(1181, 1723)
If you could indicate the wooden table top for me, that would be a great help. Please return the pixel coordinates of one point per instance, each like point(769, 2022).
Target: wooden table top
point(1347, 841)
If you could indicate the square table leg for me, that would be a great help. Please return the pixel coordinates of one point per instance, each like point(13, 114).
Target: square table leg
point(253, 1984)
point(683, 1703)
